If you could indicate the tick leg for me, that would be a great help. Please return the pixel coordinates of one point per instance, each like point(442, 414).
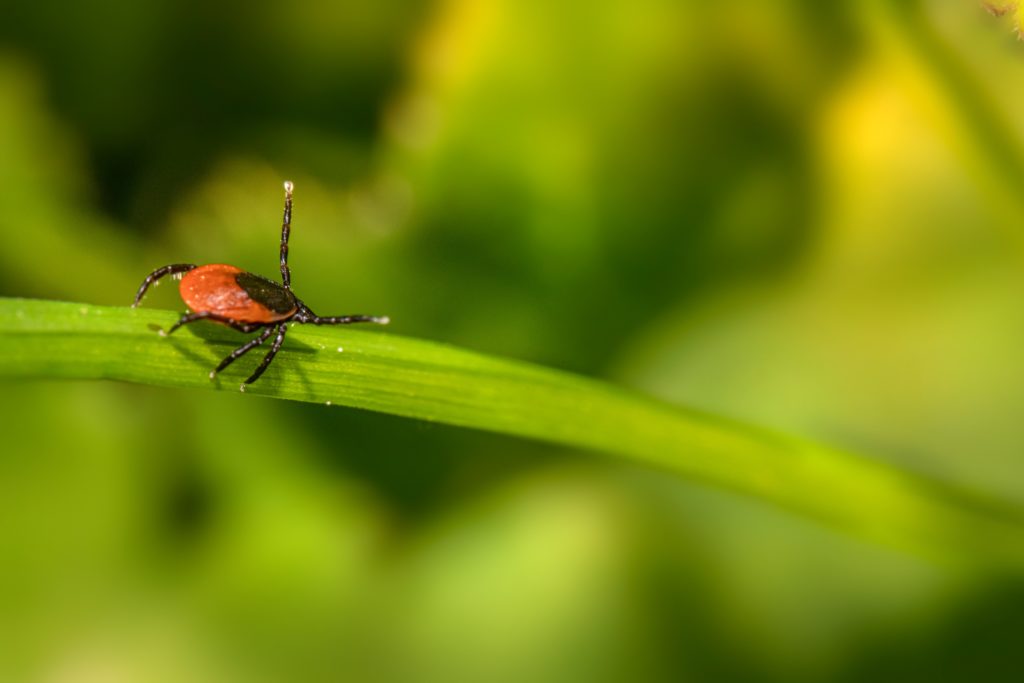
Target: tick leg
point(286, 226)
point(349, 319)
point(172, 269)
point(306, 316)
point(274, 348)
point(242, 350)
point(206, 315)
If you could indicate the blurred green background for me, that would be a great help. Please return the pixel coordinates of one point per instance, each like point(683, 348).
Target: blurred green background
point(805, 215)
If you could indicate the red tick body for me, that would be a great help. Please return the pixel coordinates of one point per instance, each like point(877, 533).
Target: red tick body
point(246, 302)
point(216, 288)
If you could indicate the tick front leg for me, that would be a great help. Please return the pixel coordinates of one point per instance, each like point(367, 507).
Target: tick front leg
point(173, 269)
point(274, 348)
point(349, 319)
point(242, 350)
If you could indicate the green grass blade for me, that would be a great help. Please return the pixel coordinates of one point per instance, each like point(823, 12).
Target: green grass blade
point(373, 370)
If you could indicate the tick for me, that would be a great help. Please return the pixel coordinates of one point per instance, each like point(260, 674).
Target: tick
point(246, 302)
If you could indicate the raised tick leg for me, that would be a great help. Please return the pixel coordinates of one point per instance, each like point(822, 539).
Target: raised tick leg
point(172, 269)
point(286, 226)
point(206, 315)
point(242, 350)
point(274, 348)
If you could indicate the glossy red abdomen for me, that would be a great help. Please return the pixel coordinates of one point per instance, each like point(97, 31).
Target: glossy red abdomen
point(215, 289)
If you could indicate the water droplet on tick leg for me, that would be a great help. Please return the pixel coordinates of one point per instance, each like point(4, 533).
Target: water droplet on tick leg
point(241, 387)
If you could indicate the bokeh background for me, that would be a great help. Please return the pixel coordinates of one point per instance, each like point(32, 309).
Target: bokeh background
point(805, 215)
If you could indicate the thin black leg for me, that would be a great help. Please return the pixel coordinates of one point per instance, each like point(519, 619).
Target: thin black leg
point(286, 226)
point(242, 350)
point(206, 315)
point(172, 269)
point(349, 319)
point(274, 348)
